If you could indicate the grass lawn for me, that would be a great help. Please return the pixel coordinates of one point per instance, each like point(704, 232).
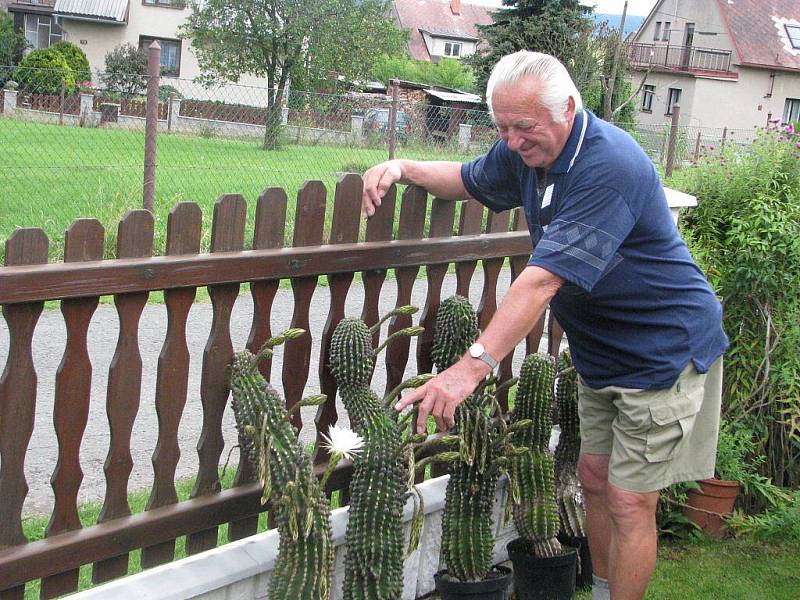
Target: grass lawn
point(51, 175)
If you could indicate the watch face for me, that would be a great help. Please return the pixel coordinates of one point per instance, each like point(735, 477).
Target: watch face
point(476, 350)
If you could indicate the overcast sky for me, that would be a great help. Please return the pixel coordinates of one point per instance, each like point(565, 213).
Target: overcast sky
point(612, 7)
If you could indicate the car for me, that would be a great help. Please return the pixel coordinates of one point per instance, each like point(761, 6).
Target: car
point(376, 121)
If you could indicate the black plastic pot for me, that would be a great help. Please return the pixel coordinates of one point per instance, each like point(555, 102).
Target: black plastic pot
point(583, 579)
point(536, 578)
point(491, 588)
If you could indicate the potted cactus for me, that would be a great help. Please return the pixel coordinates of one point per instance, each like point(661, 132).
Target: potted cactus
point(569, 495)
point(543, 569)
point(300, 508)
point(467, 540)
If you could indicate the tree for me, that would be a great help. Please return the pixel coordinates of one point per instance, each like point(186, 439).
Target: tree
point(447, 72)
point(561, 28)
point(12, 44)
point(312, 41)
point(76, 59)
point(126, 70)
point(42, 71)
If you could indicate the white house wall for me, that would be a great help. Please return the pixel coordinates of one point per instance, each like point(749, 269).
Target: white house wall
point(436, 45)
point(703, 13)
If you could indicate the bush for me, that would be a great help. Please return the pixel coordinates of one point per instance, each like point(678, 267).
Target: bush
point(42, 71)
point(164, 92)
point(76, 59)
point(126, 70)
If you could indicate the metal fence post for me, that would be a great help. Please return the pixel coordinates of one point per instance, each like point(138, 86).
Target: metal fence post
point(151, 124)
point(724, 138)
point(61, 103)
point(395, 85)
point(673, 138)
point(697, 149)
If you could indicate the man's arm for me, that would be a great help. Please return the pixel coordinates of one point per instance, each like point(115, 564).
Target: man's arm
point(521, 308)
point(442, 179)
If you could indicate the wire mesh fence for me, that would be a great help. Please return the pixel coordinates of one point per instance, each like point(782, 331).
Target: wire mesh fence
point(70, 150)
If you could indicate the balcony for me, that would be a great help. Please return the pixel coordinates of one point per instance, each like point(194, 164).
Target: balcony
point(688, 59)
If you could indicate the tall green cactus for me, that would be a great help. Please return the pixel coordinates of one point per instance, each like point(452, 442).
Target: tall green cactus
point(301, 510)
point(374, 564)
point(467, 539)
point(569, 494)
point(534, 504)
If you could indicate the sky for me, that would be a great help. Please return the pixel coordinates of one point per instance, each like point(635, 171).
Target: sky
point(611, 7)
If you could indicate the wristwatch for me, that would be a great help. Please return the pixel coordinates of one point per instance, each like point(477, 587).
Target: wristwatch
point(478, 351)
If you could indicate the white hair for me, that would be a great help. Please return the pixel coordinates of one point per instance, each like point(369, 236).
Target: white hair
point(554, 88)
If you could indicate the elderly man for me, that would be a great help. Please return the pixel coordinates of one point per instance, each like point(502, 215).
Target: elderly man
point(643, 325)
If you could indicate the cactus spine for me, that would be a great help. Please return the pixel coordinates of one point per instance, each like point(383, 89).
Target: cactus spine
point(569, 494)
point(301, 510)
point(374, 564)
point(534, 503)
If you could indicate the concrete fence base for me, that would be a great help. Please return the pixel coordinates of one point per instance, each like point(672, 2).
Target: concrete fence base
point(241, 570)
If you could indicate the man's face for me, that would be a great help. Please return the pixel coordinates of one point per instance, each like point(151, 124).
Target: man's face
point(527, 127)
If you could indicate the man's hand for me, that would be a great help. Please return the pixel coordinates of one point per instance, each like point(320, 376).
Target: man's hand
point(377, 182)
point(442, 394)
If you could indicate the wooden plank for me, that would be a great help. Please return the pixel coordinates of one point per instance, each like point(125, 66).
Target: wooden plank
point(18, 385)
point(470, 223)
point(227, 235)
point(518, 264)
point(172, 375)
point(269, 232)
point(379, 229)
point(49, 282)
point(134, 239)
point(309, 222)
point(411, 227)
point(496, 223)
point(346, 220)
point(83, 241)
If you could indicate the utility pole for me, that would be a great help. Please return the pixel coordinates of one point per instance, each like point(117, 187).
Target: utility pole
point(612, 80)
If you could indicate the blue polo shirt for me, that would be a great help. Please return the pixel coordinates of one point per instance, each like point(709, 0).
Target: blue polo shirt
point(634, 305)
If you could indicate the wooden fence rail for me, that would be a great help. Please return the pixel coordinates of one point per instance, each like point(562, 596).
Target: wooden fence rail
point(27, 281)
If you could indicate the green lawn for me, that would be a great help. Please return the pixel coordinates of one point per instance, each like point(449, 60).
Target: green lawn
point(51, 174)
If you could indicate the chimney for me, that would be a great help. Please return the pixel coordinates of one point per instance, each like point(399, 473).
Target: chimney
point(455, 7)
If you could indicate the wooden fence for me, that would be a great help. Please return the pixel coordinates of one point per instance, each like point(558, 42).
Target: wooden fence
point(27, 281)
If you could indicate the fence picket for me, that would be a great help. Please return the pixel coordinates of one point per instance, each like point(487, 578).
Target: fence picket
point(134, 240)
point(344, 229)
point(379, 229)
point(411, 227)
point(227, 235)
point(309, 222)
point(83, 242)
point(470, 224)
point(18, 385)
point(518, 264)
point(172, 378)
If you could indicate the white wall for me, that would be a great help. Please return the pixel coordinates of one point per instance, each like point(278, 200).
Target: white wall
point(703, 13)
point(436, 45)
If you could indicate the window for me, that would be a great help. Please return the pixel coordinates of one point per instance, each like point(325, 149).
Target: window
point(791, 110)
point(41, 31)
point(673, 99)
point(452, 49)
point(793, 31)
point(170, 54)
point(647, 98)
point(665, 33)
point(657, 34)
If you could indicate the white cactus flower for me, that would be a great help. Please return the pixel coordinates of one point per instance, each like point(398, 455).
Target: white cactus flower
point(345, 442)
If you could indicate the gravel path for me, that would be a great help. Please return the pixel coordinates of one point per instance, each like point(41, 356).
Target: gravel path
point(48, 347)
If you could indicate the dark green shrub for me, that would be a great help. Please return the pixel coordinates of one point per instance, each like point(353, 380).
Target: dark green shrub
point(76, 59)
point(164, 92)
point(42, 71)
point(126, 70)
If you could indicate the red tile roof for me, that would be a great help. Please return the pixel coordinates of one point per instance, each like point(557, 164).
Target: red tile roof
point(436, 16)
point(758, 32)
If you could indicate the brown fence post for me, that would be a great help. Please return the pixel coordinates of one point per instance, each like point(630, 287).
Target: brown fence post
point(724, 138)
point(697, 148)
point(393, 117)
point(151, 124)
point(61, 103)
point(673, 138)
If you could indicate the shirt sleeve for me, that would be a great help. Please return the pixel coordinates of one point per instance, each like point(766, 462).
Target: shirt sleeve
point(492, 179)
point(582, 241)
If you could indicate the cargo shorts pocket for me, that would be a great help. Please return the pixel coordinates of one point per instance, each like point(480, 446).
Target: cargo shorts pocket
point(671, 423)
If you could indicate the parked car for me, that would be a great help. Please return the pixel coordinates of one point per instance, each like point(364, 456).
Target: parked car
point(376, 121)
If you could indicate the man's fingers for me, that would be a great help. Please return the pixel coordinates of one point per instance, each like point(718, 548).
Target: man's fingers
point(437, 412)
point(410, 398)
point(449, 415)
point(422, 418)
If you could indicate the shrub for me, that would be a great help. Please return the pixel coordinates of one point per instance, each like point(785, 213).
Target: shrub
point(42, 71)
point(126, 70)
point(164, 92)
point(76, 59)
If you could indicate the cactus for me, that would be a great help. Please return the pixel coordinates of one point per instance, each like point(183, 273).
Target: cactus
point(300, 509)
point(374, 564)
point(569, 494)
point(467, 539)
point(534, 503)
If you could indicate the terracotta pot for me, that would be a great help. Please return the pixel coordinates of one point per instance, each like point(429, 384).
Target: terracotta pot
point(716, 496)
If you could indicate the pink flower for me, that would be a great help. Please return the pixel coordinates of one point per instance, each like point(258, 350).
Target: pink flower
point(789, 128)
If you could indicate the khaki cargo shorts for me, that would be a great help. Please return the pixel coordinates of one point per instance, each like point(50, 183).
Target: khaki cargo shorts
point(654, 438)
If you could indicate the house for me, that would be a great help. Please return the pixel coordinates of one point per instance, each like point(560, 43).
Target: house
point(728, 63)
point(35, 19)
point(441, 28)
